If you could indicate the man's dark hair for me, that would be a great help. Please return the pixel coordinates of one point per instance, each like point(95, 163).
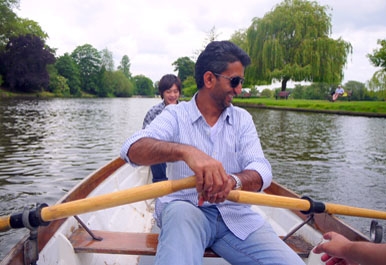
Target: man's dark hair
point(216, 57)
point(166, 82)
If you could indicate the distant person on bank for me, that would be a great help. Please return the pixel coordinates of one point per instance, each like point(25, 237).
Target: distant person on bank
point(338, 92)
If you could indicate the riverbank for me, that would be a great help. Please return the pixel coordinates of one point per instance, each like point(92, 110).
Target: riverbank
point(352, 108)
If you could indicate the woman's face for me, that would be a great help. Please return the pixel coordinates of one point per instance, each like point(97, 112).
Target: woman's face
point(171, 95)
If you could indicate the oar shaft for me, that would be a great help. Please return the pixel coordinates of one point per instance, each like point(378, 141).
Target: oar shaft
point(268, 200)
point(354, 211)
point(114, 199)
point(300, 204)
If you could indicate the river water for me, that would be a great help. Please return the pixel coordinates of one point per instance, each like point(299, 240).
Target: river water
point(48, 145)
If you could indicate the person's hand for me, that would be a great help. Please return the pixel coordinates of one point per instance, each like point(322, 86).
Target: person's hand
point(336, 250)
point(212, 182)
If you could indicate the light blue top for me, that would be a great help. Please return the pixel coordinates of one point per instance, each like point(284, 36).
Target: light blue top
point(233, 140)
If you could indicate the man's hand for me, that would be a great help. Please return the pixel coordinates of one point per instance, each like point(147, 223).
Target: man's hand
point(213, 183)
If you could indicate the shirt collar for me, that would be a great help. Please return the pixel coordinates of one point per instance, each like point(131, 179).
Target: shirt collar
point(226, 115)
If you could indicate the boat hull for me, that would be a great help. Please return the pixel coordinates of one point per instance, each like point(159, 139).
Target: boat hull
point(56, 248)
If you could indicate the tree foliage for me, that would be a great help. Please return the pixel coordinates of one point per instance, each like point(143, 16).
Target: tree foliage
point(378, 58)
point(239, 37)
point(107, 60)
point(67, 67)
point(211, 35)
point(378, 81)
point(144, 85)
point(13, 26)
point(185, 67)
point(24, 64)
point(125, 66)
point(292, 43)
point(88, 60)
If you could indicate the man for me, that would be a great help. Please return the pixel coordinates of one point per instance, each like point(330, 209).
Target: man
point(210, 138)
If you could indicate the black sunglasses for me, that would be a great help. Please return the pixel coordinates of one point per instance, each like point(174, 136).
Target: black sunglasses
point(235, 81)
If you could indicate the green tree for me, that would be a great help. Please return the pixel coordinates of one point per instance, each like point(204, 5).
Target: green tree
point(125, 66)
point(67, 67)
point(378, 58)
point(117, 84)
point(240, 38)
point(185, 67)
point(266, 93)
point(358, 89)
point(211, 35)
point(378, 81)
point(189, 87)
point(144, 86)
point(88, 60)
point(8, 21)
point(13, 26)
point(24, 64)
point(107, 60)
point(292, 43)
point(123, 87)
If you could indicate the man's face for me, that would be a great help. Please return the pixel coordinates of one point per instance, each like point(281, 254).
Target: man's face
point(228, 85)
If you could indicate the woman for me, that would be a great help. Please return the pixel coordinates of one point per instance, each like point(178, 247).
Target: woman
point(169, 88)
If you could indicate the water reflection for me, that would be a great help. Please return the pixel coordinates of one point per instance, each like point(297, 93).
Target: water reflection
point(337, 159)
point(47, 146)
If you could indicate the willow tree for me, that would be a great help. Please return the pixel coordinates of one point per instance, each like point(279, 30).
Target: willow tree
point(292, 43)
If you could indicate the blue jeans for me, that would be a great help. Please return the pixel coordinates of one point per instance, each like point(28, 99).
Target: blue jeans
point(187, 230)
point(159, 172)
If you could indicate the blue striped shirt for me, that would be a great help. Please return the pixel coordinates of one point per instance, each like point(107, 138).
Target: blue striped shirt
point(233, 141)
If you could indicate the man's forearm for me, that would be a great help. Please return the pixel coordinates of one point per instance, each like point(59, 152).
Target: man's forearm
point(251, 180)
point(149, 151)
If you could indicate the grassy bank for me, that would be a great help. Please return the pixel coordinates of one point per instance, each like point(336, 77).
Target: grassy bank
point(360, 108)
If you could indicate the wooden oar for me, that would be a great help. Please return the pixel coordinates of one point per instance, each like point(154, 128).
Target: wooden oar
point(302, 204)
point(100, 202)
point(159, 189)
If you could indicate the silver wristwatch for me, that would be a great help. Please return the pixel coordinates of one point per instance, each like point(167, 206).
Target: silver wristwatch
point(239, 185)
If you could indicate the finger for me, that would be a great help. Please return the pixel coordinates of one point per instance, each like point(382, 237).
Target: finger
point(199, 182)
point(201, 200)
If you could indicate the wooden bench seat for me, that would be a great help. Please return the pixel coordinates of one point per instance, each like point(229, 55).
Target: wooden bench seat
point(145, 243)
point(283, 94)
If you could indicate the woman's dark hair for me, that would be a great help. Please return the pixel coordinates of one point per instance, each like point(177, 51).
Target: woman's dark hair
point(216, 57)
point(166, 82)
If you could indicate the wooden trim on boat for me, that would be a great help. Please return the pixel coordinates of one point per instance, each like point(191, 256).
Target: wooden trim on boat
point(84, 188)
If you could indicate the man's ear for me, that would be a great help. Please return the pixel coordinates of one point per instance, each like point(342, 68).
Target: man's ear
point(209, 79)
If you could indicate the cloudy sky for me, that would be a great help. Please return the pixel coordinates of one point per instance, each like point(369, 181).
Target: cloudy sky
point(156, 33)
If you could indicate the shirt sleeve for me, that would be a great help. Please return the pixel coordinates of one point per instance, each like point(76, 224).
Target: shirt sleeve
point(252, 155)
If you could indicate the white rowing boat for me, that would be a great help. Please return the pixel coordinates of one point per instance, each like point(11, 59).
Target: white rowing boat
point(126, 232)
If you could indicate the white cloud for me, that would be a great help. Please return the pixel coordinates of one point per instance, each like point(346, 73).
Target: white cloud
point(156, 33)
